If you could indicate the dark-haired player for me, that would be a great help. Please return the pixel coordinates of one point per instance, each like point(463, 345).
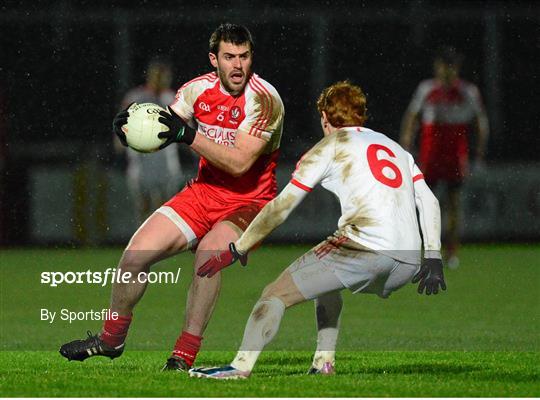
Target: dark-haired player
point(233, 119)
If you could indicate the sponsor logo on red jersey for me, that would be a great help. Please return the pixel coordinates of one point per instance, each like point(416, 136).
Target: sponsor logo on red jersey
point(218, 134)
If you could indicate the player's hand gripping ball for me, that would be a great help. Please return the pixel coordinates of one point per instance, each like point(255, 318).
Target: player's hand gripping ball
point(142, 127)
point(177, 132)
point(120, 120)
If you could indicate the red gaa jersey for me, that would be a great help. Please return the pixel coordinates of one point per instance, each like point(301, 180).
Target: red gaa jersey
point(446, 115)
point(258, 111)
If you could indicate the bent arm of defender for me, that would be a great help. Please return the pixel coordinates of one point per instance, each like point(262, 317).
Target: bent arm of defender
point(270, 217)
point(430, 219)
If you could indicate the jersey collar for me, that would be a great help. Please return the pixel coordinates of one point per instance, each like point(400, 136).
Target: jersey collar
point(357, 129)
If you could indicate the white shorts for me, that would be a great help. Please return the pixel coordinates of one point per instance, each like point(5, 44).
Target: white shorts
point(339, 263)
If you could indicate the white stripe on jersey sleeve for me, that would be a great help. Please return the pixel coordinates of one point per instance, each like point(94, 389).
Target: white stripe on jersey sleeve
point(188, 94)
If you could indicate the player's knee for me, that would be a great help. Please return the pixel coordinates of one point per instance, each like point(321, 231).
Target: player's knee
point(135, 259)
point(218, 239)
point(269, 291)
point(274, 291)
point(208, 244)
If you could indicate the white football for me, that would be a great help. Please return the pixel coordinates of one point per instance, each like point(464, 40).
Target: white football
point(142, 127)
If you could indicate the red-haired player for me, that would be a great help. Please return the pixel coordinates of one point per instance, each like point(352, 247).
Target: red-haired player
point(376, 249)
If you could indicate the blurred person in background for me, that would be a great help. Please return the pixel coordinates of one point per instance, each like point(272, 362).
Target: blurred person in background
point(152, 177)
point(447, 109)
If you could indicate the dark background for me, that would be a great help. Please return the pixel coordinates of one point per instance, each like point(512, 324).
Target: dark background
point(64, 67)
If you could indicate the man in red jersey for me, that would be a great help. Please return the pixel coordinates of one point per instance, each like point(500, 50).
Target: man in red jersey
point(447, 108)
point(233, 119)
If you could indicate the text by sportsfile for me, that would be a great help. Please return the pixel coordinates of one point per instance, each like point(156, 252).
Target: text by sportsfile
point(71, 316)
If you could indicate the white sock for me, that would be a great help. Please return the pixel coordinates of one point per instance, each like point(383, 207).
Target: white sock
point(262, 326)
point(326, 345)
point(328, 309)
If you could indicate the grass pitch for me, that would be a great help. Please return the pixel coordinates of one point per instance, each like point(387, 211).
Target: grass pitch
point(279, 374)
point(480, 338)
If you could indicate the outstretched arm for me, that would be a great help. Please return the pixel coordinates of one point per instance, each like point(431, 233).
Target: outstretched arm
point(270, 217)
point(310, 170)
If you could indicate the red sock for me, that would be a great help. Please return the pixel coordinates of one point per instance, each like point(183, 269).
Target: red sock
point(187, 346)
point(115, 330)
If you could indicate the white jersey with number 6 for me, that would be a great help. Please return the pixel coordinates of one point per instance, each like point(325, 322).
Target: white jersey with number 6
point(373, 177)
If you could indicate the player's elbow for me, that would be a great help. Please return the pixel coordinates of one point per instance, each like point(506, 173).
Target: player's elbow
point(424, 195)
point(238, 170)
point(433, 199)
point(240, 167)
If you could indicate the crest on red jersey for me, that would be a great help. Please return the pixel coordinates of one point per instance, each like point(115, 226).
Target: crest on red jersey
point(235, 112)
